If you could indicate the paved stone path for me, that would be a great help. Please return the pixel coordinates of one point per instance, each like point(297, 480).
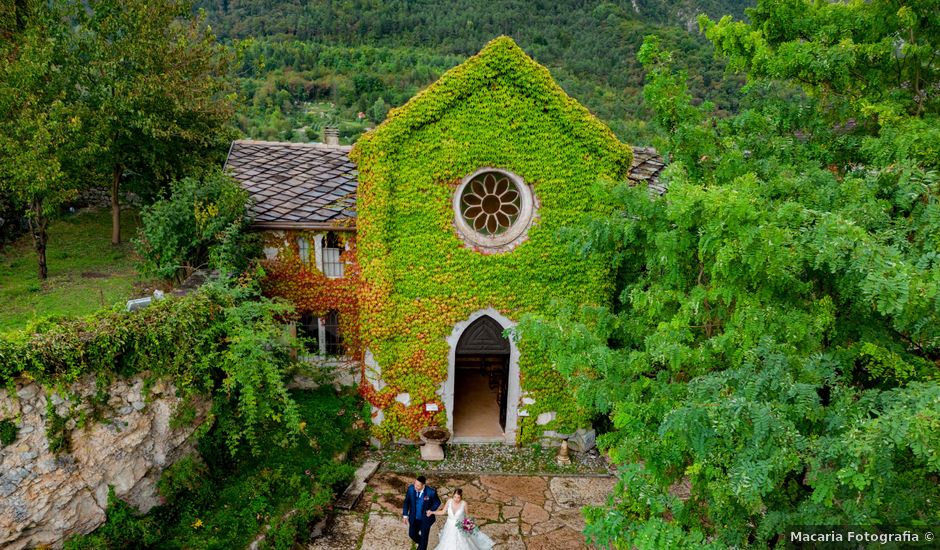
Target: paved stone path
point(517, 512)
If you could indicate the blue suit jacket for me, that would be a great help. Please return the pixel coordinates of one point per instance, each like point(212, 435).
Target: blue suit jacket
point(431, 502)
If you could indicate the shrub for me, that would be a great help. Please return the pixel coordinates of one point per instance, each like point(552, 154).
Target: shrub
point(201, 224)
point(308, 508)
point(123, 529)
point(336, 475)
point(7, 432)
point(187, 476)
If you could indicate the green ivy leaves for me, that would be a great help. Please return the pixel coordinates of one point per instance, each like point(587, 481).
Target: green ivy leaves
point(499, 109)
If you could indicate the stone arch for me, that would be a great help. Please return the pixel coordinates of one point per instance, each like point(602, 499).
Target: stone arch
point(482, 333)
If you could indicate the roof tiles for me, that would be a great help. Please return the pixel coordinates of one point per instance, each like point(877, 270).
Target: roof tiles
point(296, 184)
point(647, 165)
point(313, 185)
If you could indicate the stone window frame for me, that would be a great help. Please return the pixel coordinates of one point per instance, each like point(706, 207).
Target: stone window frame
point(517, 233)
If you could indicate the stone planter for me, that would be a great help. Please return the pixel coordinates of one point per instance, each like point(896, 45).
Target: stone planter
point(433, 437)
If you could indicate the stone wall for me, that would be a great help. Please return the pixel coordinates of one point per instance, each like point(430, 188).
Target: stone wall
point(45, 497)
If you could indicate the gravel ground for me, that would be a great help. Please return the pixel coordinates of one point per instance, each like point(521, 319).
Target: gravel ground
point(496, 458)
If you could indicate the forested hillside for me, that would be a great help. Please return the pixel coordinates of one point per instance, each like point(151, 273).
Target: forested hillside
point(308, 64)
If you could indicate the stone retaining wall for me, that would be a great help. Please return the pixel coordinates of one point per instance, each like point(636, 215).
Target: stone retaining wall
point(45, 497)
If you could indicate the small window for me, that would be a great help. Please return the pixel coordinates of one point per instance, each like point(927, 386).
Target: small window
point(309, 329)
point(332, 266)
point(303, 250)
point(334, 339)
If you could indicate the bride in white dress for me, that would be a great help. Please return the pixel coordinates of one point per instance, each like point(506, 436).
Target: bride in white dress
point(452, 535)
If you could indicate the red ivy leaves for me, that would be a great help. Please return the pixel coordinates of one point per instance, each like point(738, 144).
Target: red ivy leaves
point(313, 292)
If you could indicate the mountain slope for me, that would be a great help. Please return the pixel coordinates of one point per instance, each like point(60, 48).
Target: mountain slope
point(352, 53)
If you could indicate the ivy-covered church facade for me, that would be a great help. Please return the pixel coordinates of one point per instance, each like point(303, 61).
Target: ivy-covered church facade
point(413, 255)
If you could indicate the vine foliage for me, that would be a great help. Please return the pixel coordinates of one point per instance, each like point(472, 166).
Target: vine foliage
point(222, 341)
point(311, 291)
point(499, 109)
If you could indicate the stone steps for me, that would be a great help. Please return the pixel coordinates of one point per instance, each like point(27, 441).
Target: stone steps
point(351, 495)
point(519, 512)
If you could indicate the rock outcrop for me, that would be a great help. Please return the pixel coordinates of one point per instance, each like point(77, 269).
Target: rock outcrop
point(45, 497)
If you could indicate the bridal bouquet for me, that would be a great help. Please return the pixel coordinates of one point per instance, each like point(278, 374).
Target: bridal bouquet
point(468, 526)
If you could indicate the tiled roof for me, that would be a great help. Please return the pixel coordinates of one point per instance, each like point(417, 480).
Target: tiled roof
point(647, 165)
point(311, 185)
point(296, 185)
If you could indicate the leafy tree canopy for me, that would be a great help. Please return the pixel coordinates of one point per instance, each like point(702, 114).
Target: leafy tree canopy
point(772, 359)
point(879, 57)
point(158, 85)
point(301, 56)
point(39, 127)
point(94, 91)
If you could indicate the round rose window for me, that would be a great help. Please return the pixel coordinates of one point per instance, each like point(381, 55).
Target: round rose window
point(490, 204)
point(493, 210)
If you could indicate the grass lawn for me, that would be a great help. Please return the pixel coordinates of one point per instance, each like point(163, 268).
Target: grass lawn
point(85, 271)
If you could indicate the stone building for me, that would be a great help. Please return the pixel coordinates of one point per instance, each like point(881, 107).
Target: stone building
point(416, 252)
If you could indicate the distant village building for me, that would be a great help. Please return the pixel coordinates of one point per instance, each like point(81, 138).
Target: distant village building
point(415, 253)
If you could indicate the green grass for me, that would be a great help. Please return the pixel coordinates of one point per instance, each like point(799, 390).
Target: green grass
point(85, 271)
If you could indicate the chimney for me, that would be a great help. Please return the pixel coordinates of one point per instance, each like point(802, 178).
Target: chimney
point(331, 136)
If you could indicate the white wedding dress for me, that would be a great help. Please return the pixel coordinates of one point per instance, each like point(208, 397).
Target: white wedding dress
point(453, 539)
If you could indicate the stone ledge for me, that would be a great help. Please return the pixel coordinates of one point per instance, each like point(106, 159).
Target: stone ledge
point(352, 493)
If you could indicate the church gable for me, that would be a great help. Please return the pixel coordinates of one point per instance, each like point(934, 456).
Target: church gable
point(502, 112)
point(501, 63)
point(462, 193)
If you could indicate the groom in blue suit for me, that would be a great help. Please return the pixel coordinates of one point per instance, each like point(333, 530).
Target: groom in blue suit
point(418, 500)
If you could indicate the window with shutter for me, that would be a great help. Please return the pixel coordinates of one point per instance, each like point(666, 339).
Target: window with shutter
point(332, 266)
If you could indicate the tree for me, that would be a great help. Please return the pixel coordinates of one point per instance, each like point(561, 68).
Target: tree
point(772, 359)
point(378, 111)
point(880, 57)
point(202, 223)
point(38, 127)
point(158, 84)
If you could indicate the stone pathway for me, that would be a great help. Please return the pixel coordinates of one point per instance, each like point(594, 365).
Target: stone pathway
point(517, 512)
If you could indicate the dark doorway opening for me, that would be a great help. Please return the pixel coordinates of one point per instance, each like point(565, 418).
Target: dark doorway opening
point(481, 380)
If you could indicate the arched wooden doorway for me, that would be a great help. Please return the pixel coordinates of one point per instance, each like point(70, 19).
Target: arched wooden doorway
point(481, 380)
